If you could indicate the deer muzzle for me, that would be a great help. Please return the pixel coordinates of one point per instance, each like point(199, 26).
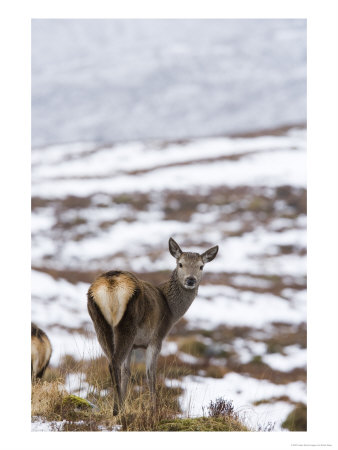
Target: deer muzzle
point(190, 282)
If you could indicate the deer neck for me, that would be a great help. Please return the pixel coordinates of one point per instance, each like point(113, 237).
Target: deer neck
point(178, 298)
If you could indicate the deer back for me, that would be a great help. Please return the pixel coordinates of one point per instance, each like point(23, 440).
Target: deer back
point(41, 350)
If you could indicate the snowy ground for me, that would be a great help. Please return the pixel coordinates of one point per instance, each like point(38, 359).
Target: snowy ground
point(102, 208)
point(38, 424)
point(243, 391)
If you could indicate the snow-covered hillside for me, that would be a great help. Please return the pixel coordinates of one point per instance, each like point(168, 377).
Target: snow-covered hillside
point(98, 208)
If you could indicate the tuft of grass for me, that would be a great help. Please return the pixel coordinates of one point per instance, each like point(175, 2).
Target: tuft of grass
point(281, 398)
point(172, 367)
point(221, 417)
point(201, 424)
point(97, 373)
point(297, 419)
point(222, 408)
point(215, 371)
point(46, 399)
point(69, 364)
point(274, 347)
point(268, 427)
point(257, 359)
point(193, 347)
point(73, 402)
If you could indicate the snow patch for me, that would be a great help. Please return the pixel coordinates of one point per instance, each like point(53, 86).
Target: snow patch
point(243, 391)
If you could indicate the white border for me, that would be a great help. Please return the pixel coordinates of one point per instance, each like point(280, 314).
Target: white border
point(322, 231)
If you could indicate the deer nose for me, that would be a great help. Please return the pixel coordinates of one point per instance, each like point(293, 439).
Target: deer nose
point(190, 281)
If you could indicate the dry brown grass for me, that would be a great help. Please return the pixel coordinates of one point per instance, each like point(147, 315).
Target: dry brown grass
point(261, 371)
point(51, 402)
point(193, 346)
point(46, 399)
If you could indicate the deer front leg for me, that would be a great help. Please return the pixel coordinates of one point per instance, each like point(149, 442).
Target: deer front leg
point(152, 353)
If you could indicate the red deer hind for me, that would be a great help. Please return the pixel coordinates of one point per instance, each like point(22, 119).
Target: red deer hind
point(129, 313)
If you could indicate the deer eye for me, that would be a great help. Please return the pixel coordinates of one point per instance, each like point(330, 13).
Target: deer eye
point(180, 265)
point(201, 267)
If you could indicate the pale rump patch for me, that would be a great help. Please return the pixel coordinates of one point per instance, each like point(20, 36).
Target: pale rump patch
point(40, 353)
point(112, 296)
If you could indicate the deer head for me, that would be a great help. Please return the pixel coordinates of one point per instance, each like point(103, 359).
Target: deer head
point(190, 265)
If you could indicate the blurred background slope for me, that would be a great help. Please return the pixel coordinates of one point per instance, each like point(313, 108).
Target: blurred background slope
point(104, 80)
point(143, 129)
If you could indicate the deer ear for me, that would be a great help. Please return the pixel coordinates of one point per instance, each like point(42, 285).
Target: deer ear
point(174, 248)
point(210, 254)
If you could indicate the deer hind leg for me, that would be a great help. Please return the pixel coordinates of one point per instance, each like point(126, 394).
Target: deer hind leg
point(123, 343)
point(103, 330)
point(36, 371)
point(115, 376)
point(42, 371)
point(105, 336)
point(152, 353)
point(125, 375)
point(33, 372)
